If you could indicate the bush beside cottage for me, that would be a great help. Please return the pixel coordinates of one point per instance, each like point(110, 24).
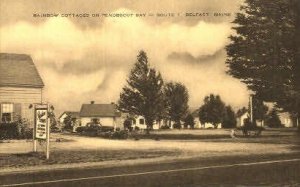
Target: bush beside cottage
point(16, 130)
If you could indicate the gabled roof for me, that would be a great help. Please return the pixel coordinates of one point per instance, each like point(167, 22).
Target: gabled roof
point(195, 114)
point(69, 113)
point(284, 114)
point(99, 110)
point(242, 113)
point(18, 70)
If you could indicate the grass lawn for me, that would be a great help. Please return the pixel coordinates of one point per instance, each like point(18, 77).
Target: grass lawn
point(211, 134)
point(172, 144)
point(78, 156)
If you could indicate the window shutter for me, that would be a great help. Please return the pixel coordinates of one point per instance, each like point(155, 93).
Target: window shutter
point(0, 112)
point(17, 111)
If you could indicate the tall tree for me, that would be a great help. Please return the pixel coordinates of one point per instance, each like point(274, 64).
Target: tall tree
point(273, 119)
point(177, 98)
point(259, 109)
point(143, 94)
point(189, 120)
point(212, 111)
point(264, 51)
point(229, 120)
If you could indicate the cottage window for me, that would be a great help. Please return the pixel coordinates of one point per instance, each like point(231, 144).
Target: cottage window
point(7, 112)
point(133, 121)
point(142, 121)
point(95, 120)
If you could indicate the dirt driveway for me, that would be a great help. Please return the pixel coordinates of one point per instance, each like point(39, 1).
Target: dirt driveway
point(187, 147)
point(88, 150)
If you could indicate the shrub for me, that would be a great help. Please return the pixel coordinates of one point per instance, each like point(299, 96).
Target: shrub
point(95, 130)
point(91, 129)
point(122, 134)
point(55, 129)
point(165, 127)
point(16, 130)
point(136, 128)
point(9, 131)
point(189, 121)
point(248, 126)
point(106, 134)
point(177, 126)
point(81, 129)
point(273, 120)
point(127, 124)
point(185, 125)
point(27, 133)
point(106, 129)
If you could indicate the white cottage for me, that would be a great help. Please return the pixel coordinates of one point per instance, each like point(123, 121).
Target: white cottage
point(199, 125)
point(20, 87)
point(287, 120)
point(106, 114)
point(139, 121)
point(65, 114)
point(75, 119)
point(241, 119)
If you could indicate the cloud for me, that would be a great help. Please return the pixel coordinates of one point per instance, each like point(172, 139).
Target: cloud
point(79, 65)
point(187, 57)
point(203, 79)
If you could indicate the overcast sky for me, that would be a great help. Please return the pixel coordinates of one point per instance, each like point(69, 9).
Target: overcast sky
point(84, 59)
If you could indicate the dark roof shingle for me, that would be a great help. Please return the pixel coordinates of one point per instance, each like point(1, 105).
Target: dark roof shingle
point(99, 110)
point(19, 70)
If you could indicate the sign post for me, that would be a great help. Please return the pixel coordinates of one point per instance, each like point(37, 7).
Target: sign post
point(251, 109)
point(48, 138)
point(41, 126)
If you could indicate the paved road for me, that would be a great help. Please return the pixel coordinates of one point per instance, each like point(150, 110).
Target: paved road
point(193, 172)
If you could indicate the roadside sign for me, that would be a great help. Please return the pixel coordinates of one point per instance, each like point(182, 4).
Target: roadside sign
point(41, 122)
point(41, 127)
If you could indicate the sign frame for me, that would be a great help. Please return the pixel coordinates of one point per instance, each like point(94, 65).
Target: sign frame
point(41, 107)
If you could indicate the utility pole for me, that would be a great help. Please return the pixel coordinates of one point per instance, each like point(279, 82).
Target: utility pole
point(251, 108)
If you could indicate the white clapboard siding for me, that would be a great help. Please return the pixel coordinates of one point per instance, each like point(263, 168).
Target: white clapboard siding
point(22, 96)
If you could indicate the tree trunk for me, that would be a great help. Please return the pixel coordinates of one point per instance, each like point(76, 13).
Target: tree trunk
point(297, 123)
point(149, 124)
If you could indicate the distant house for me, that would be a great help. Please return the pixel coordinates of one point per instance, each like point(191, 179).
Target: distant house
point(243, 116)
point(198, 123)
point(287, 119)
point(140, 122)
point(62, 117)
point(75, 119)
point(20, 86)
point(195, 114)
point(241, 119)
point(106, 114)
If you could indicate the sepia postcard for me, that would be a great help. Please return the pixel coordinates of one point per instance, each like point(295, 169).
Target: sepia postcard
point(147, 93)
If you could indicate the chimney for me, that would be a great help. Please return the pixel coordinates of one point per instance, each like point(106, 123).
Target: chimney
point(92, 102)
